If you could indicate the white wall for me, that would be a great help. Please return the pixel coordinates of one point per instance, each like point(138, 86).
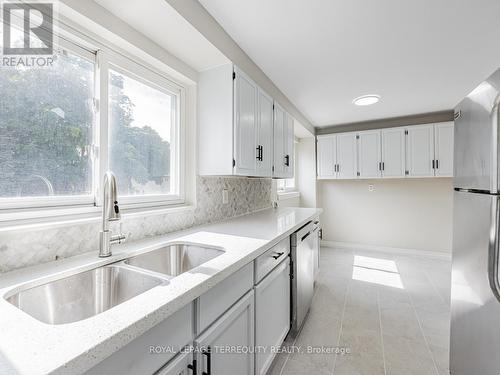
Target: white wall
point(306, 171)
point(289, 201)
point(198, 16)
point(406, 213)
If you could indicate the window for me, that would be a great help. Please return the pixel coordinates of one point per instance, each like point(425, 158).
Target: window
point(46, 129)
point(143, 122)
point(287, 184)
point(56, 138)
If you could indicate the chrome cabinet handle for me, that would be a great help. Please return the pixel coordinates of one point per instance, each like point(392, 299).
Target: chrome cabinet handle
point(278, 255)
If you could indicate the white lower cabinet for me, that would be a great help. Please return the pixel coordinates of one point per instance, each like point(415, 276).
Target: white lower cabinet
point(272, 315)
point(226, 346)
point(216, 334)
point(181, 365)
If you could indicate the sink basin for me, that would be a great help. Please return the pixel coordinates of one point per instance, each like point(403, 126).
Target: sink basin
point(174, 259)
point(83, 295)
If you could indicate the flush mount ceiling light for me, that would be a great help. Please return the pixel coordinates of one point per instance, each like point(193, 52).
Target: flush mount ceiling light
point(366, 100)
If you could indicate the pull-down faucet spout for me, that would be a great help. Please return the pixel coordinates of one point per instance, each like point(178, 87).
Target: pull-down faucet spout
point(110, 212)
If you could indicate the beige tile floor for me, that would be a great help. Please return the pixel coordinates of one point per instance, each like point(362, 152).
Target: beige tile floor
point(391, 311)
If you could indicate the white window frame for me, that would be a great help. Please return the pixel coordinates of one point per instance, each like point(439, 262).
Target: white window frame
point(110, 60)
point(105, 56)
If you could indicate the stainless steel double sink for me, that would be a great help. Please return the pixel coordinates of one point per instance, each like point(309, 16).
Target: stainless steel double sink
point(86, 294)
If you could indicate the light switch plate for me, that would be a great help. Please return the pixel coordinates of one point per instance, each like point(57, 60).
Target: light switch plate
point(225, 196)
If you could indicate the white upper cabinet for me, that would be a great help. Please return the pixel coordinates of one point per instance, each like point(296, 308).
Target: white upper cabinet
point(443, 141)
point(289, 146)
point(264, 134)
point(412, 151)
point(420, 151)
point(238, 133)
point(369, 154)
point(347, 155)
point(393, 152)
point(327, 156)
point(245, 125)
point(283, 143)
point(279, 141)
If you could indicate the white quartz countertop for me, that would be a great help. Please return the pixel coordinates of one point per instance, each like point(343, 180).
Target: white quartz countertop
point(28, 346)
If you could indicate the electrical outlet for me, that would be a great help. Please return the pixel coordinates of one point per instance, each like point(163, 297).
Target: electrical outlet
point(371, 187)
point(225, 196)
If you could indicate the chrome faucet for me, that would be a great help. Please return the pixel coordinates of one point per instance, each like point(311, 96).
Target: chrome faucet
point(110, 212)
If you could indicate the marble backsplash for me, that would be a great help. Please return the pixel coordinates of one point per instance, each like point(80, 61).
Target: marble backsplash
point(23, 248)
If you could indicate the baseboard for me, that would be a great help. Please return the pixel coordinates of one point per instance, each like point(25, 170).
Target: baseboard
point(387, 249)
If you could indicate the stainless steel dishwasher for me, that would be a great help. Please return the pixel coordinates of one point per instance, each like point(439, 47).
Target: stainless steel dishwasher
point(304, 245)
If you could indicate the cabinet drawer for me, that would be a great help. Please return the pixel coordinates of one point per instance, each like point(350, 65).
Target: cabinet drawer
point(220, 298)
point(136, 358)
point(271, 258)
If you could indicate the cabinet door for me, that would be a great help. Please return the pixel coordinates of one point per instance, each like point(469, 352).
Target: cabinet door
point(289, 146)
point(369, 154)
point(393, 152)
point(234, 329)
point(272, 315)
point(327, 156)
point(347, 166)
point(420, 150)
point(264, 135)
point(279, 141)
point(180, 365)
point(245, 125)
point(444, 149)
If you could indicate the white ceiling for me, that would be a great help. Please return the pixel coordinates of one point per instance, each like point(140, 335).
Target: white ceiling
point(158, 21)
point(420, 56)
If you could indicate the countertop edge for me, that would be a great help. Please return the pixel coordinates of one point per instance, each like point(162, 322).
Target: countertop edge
point(112, 344)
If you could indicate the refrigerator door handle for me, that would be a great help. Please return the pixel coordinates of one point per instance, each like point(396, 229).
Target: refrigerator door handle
point(493, 253)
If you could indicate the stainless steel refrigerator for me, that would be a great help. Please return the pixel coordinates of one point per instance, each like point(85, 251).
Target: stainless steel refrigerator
point(475, 292)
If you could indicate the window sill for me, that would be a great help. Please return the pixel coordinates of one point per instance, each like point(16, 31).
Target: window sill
point(283, 195)
point(53, 218)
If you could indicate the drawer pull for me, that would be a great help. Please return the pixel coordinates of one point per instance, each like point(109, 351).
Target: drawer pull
point(278, 255)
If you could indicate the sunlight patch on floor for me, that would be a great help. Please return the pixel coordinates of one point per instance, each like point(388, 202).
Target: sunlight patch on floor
point(376, 271)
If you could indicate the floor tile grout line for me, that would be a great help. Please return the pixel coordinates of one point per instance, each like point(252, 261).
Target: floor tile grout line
point(435, 287)
point(346, 293)
point(422, 332)
point(293, 343)
point(287, 356)
point(381, 331)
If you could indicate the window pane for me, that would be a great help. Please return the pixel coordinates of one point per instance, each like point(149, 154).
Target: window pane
point(46, 128)
point(141, 124)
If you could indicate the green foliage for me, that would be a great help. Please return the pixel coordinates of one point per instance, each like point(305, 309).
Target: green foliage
point(46, 128)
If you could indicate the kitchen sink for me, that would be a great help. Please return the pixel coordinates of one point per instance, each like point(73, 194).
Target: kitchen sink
point(83, 295)
point(174, 259)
